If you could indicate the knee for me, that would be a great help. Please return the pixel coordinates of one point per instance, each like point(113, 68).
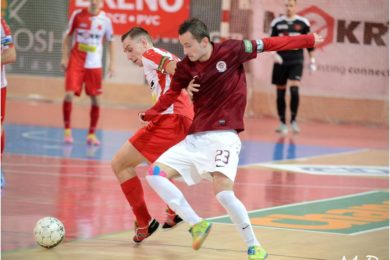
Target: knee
point(294, 90)
point(94, 101)
point(281, 93)
point(68, 97)
point(221, 183)
point(117, 165)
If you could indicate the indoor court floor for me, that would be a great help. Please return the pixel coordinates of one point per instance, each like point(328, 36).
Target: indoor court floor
point(321, 194)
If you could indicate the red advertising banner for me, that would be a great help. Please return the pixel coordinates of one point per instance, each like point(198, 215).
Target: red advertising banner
point(161, 18)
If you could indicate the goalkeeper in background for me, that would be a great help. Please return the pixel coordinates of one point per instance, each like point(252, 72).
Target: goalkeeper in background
point(288, 66)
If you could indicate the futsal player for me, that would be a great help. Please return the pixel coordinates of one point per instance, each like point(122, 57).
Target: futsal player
point(165, 130)
point(211, 150)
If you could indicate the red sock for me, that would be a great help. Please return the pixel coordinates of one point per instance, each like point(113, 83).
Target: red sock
point(94, 115)
point(135, 196)
point(2, 141)
point(67, 110)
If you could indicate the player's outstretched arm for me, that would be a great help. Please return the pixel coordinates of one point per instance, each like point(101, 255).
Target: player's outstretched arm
point(282, 43)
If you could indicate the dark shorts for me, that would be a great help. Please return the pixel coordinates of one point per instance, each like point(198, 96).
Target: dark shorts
point(281, 73)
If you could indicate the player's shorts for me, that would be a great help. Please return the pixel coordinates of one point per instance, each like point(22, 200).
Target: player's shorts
point(76, 76)
point(200, 154)
point(160, 134)
point(3, 100)
point(282, 72)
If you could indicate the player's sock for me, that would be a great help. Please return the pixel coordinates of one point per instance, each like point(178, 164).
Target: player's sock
point(94, 115)
point(281, 104)
point(2, 142)
point(67, 110)
point(169, 210)
point(294, 103)
point(239, 216)
point(134, 193)
point(174, 198)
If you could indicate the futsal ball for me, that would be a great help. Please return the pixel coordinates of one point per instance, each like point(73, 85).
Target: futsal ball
point(49, 232)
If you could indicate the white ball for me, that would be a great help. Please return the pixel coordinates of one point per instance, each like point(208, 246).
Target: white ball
point(49, 232)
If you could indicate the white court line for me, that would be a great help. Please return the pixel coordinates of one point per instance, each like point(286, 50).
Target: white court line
point(85, 174)
point(52, 165)
point(32, 135)
point(305, 158)
point(58, 157)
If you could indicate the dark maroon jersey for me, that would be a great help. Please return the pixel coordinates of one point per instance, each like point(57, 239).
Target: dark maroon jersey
point(221, 100)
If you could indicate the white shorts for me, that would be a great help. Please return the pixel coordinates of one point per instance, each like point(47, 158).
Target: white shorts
point(200, 154)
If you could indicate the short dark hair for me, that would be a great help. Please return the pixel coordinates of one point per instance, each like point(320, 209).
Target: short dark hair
point(135, 32)
point(196, 27)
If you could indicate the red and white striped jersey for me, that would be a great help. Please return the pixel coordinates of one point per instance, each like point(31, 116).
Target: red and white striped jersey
point(6, 42)
point(154, 63)
point(88, 33)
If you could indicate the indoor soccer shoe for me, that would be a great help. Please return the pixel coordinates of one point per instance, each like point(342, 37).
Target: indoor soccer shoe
point(295, 127)
point(257, 253)
point(172, 221)
point(199, 233)
point(282, 128)
point(68, 138)
point(92, 140)
point(143, 232)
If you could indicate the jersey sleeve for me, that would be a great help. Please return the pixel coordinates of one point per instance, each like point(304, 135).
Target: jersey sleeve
point(156, 61)
point(6, 37)
point(179, 81)
point(283, 43)
point(243, 50)
point(72, 22)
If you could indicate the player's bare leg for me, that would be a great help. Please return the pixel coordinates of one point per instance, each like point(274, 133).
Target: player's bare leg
point(94, 116)
point(158, 179)
point(223, 188)
point(67, 110)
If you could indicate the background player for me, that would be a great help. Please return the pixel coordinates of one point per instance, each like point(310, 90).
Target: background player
point(8, 55)
point(164, 131)
point(88, 28)
point(288, 66)
point(211, 150)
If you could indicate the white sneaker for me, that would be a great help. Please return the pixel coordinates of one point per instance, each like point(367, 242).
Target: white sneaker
point(295, 127)
point(282, 128)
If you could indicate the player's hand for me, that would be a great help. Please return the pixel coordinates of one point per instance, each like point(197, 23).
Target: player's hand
point(141, 116)
point(317, 39)
point(192, 88)
point(277, 58)
point(64, 64)
point(110, 72)
point(312, 65)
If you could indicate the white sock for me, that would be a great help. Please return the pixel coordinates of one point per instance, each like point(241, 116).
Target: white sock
point(171, 195)
point(239, 216)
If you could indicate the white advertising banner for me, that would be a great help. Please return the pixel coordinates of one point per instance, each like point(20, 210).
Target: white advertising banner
point(353, 61)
